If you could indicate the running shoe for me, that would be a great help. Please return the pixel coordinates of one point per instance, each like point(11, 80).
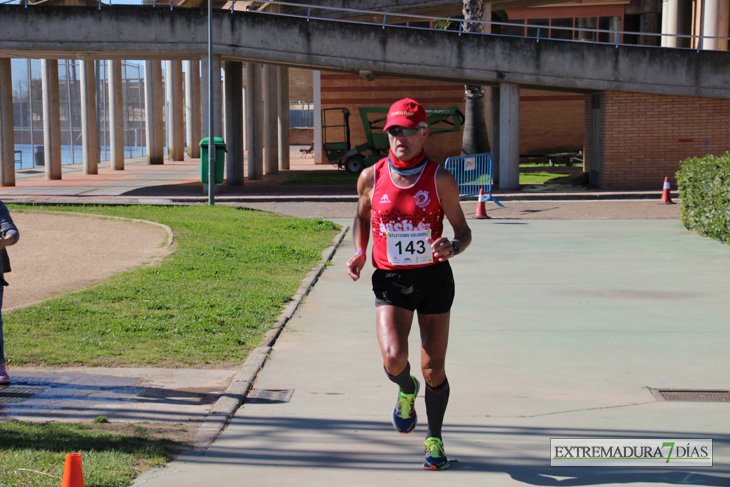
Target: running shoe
point(404, 413)
point(435, 456)
point(4, 377)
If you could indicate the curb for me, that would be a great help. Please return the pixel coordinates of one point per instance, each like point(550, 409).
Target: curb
point(234, 396)
point(196, 200)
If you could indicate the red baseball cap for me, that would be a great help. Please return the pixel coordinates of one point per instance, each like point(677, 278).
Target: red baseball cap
point(406, 113)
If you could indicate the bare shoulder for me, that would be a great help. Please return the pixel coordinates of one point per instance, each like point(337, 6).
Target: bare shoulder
point(446, 183)
point(366, 180)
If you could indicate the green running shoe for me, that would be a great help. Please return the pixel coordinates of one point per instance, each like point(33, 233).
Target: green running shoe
point(435, 456)
point(404, 413)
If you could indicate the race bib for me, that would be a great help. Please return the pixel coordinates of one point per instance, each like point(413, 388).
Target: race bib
point(409, 248)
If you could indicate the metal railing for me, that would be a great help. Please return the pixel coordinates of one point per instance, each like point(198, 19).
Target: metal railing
point(696, 41)
point(473, 173)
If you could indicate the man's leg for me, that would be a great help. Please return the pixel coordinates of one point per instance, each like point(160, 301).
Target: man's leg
point(393, 327)
point(434, 342)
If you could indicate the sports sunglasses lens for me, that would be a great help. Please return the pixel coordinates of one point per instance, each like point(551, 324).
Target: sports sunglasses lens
point(394, 131)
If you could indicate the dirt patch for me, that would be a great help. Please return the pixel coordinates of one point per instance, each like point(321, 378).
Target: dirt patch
point(57, 253)
point(181, 435)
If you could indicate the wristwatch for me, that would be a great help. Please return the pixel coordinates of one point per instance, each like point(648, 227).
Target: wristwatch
point(456, 245)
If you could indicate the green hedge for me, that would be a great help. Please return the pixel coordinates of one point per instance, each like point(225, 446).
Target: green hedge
point(705, 186)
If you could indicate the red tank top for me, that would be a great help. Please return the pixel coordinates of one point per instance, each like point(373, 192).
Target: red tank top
point(403, 218)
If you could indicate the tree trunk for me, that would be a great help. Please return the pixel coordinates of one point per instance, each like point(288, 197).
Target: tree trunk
point(475, 139)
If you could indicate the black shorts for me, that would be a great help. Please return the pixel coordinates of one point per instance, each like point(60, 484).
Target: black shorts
point(429, 290)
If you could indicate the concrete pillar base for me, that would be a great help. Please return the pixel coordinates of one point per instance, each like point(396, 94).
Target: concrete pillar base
point(283, 122)
point(154, 123)
point(271, 116)
point(509, 136)
point(90, 147)
point(234, 123)
point(7, 135)
point(174, 98)
point(254, 116)
point(116, 115)
point(192, 107)
point(51, 118)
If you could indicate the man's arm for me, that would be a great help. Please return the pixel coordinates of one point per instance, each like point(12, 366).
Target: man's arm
point(449, 193)
point(8, 230)
point(361, 225)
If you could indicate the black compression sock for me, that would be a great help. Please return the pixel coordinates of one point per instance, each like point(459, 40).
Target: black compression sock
point(436, 400)
point(403, 379)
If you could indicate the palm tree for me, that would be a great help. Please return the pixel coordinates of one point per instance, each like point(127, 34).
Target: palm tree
point(475, 139)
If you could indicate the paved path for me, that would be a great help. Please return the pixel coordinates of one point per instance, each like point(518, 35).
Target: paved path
point(558, 329)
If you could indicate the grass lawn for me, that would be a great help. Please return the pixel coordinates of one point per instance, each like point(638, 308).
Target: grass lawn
point(525, 177)
point(33, 454)
point(209, 302)
point(322, 178)
point(537, 177)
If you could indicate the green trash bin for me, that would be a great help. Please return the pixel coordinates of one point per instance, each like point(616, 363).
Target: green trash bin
point(220, 160)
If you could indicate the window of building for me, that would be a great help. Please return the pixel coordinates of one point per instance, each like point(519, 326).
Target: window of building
point(533, 31)
point(514, 30)
point(559, 22)
point(557, 33)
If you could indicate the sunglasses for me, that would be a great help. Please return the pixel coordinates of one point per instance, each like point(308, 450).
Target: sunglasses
point(394, 131)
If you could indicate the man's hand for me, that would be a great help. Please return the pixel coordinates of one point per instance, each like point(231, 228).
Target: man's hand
point(7, 241)
point(442, 248)
point(355, 265)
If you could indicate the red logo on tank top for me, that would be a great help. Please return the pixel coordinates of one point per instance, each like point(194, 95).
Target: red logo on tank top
point(422, 199)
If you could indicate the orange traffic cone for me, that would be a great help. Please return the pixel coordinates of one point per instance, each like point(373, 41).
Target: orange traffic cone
point(73, 475)
point(481, 207)
point(666, 195)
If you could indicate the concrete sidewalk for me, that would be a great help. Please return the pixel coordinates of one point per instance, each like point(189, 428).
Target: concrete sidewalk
point(558, 329)
point(179, 182)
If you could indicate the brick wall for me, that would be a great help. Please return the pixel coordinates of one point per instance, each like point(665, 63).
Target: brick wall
point(549, 121)
point(352, 91)
point(645, 136)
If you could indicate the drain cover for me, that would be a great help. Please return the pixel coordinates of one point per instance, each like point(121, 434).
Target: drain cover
point(687, 395)
point(270, 396)
point(14, 394)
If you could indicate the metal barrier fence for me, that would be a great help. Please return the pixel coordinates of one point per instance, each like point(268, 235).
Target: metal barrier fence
point(473, 173)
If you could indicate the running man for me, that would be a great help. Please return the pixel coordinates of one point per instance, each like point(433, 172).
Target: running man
point(404, 198)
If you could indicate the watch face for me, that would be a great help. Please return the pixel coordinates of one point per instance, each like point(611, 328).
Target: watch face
point(456, 246)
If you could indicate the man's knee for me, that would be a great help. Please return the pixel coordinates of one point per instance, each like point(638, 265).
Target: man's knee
point(395, 360)
point(434, 373)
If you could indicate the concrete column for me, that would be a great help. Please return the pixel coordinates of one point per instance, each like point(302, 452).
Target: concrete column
point(710, 23)
point(7, 130)
point(217, 98)
point(174, 99)
point(283, 122)
point(509, 136)
point(254, 119)
point(495, 100)
point(271, 116)
point(154, 123)
point(649, 22)
point(487, 16)
point(234, 123)
point(245, 124)
point(670, 13)
point(51, 118)
point(192, 107)
point(723, 25)
point(116, 115)
point(317, 117)
point(90, 145)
